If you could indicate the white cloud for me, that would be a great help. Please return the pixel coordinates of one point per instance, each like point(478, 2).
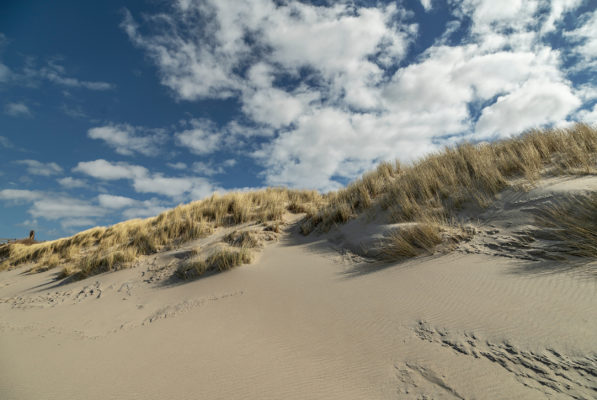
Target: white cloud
point(35, 167)
point(209, 168)
point(426, 4)
point(558, 8)
point(127, 140)
point(350, 103)
point(202, 139)
point(176, 187)
point(535, 103)
point(179, 165)
point(112, 201)
point(19, 195)
point(17, 109)
point(71, 183)
point(4, 73)
point(55, 73)
point(588, 116)
point(77, 223)
point(183, 187)
point(6, 143)
point(585, 36)
point(144, 209)
point(59, 207)
point(102, 169)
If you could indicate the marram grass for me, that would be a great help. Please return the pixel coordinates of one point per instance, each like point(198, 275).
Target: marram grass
point(434, 188)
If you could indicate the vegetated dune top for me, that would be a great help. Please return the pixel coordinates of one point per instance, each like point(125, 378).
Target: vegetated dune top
point(426, 198)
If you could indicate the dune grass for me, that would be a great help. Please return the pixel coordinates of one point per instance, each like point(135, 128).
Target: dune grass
point(245, 239)
point(440, 185)
point(432, 189)
point(222, 259)
point(104, 249)
point(573, 223)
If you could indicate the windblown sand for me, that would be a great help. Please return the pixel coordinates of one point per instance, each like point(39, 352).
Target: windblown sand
point(305, 321)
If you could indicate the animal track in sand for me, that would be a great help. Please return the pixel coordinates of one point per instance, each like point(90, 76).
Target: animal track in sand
point(548, 371)
point(173, 310)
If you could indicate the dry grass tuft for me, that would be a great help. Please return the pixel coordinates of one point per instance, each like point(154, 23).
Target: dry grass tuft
point(423, 238)
point(246, 239)
point(573, 222)
point(411, 240)
point(222, 259)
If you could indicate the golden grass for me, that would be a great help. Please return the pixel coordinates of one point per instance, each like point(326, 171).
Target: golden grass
point(245, 239)
point(572, 222)
point(434, 188)
point(411, 240)
point(425, 237)
point(102, 249)
point(440, 184)
point(222, 259)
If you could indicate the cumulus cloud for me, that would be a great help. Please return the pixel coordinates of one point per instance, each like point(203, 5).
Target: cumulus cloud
point(203, 137)
point(426, 4)
point(127, 140)
point(35, 167)
point(589, 116)
point(17, 109)
point(543, 102)
point(102, 169)
point(182, 187)
point(329, 88)
point(70, 183)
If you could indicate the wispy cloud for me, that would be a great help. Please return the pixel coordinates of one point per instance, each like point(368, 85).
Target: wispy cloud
point(56, 73)
point(127, 140)
point(6, 143)
point(17, 109)
point(35, 167)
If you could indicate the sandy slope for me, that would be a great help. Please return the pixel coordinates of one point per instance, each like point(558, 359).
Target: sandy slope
point(305, 322)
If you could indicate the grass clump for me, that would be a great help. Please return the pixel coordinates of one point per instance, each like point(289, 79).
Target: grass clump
point(573, 223)
point(422, 238)
point(222, 259)
point(411, 240)
point(225, 259)
point(245, 239)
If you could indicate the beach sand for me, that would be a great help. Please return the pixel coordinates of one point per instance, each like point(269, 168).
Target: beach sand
point(311, 320)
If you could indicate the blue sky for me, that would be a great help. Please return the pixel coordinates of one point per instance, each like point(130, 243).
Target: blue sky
point(114, 110)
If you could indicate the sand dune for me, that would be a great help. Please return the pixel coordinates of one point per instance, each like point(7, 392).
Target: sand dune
point(311, 319)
